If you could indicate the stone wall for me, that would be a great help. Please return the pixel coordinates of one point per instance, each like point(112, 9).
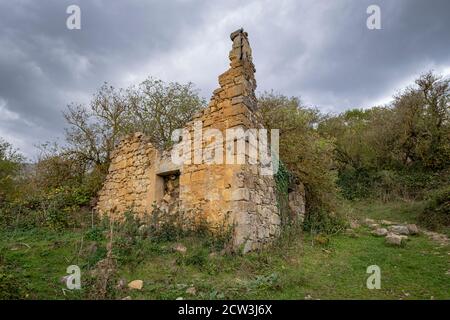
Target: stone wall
point(130, 183)
point(237, 194)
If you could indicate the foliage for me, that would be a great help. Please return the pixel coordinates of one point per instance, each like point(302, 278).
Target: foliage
point(57, 209)
point(12, 286)
point(397, 150)
point(10, 165)
point(282, 180)
point(437, 211)
point(157, 109)
point(154, 108)
point(303, 151)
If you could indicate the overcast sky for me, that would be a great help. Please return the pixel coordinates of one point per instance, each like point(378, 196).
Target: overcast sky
point(319, 50)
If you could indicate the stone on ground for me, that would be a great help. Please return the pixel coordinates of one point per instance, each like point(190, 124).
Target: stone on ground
point(395, 239)
point(387, 222)
point(399, 229)
point(136, 284)
point(412, 229)
point(380, 232)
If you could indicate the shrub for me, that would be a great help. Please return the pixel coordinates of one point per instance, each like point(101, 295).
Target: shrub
point(437, 211)
point(321, 221)
point(387, 185)
point(57, 209)
point(11, 286)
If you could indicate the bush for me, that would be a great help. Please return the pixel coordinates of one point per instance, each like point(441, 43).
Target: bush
point(437, 211)
point(11, 286)
point(57, 209)
point(387, 185)
point(321, 221)
point(355, 183)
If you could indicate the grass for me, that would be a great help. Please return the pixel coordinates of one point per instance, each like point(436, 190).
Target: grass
point(397, 211)
point(296, 270)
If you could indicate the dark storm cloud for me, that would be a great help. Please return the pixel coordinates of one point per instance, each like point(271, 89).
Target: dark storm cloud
point(320, 50)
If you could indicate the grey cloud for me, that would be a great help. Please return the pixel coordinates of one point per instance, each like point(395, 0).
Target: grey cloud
point(320, 50)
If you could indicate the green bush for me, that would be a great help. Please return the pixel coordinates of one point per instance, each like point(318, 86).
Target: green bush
point(11, 286)
point(355, 183)
point(321, 221)
point(57, 209)
point(387, 185)
point(437, 211)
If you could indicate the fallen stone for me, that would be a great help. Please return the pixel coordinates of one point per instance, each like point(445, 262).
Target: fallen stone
point(374, 225)
point(368, 221)
point(386, 222)
point(127, 298)
point(395, 239)
point(136, 284)
point(403, 230)
point(437, 237)
point(412, 228)
point(380, 232)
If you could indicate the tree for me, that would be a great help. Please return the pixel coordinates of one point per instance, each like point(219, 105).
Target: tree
point(302, 149)
point(10, 164)
point(154, 108)
point(157, 109)
point(422, 122)
point(95, 130)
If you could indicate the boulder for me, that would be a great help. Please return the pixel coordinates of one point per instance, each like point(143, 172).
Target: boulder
point(395, 239)
point(399, 229)
point(386, 222)
point(380, 232)
point(136, 284)
point(368, 221)
point(412, 228)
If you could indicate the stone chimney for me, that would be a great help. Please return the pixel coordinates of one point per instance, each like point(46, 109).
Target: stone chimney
point(240, 78)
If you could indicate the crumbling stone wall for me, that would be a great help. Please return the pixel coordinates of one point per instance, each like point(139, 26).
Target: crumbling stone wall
point(129, 184)
point(237, 195)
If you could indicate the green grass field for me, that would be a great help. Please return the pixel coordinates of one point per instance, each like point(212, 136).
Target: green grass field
point(296, 269)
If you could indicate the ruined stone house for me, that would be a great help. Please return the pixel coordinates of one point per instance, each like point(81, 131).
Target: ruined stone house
point(140, 176)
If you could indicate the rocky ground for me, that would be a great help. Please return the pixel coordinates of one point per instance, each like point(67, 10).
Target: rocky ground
point(395, 233)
